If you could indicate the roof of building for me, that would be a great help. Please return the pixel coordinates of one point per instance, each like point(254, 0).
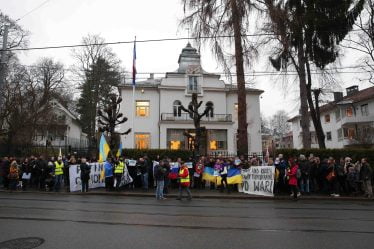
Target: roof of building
point(356, 97)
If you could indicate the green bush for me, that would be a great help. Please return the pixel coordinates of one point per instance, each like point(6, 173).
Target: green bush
point(152, 153)
point(355, 154)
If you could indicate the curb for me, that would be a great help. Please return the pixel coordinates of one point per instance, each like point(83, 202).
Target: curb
point(197, 196)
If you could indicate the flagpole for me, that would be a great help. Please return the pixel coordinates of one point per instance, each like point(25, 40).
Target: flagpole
point(133, 89)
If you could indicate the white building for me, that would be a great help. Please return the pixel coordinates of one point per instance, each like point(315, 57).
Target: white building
point(347, 121)
point(159, 123)
point(65, 131)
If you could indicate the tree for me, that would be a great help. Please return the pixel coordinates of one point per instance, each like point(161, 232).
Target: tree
point(219, 20)
point(17, 38)
point(49, 76)
point(27, 107)
point(101, 81)
point(309, 33)
point(363, 40)
point(109, 119)
point(193, 111)
point(279, 125)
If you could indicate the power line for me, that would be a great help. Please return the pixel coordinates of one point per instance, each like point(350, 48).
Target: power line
point(222, 73)
point(35, 9)
point(140, 41)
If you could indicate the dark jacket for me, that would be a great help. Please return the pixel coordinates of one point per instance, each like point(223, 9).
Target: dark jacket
point(85, 171)
point(159, 172)
point(42, 167)
point(304, 166)
point(142, 167)
point(26, 168)
point(366, 172)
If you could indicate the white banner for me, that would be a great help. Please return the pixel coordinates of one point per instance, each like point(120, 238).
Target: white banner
point(259, 180)
point(94, 182)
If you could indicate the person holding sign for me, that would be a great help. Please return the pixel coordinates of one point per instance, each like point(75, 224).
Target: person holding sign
point(292, 174)
point(184, 182)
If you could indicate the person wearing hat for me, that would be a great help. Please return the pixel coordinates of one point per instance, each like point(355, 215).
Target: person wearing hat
point(58, 173)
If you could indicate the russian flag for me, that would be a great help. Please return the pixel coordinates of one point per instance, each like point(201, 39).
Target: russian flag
point(134, 65)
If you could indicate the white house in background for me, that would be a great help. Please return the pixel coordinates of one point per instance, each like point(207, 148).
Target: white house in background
point(65, 133)
point(347, 121)
point(159, 123)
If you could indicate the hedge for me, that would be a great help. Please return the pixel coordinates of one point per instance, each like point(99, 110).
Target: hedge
point(355, 154)
point(153, 153)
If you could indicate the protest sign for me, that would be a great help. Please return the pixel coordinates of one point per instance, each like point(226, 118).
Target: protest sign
point(259, 180)
point(131, 163)
point(75, 177)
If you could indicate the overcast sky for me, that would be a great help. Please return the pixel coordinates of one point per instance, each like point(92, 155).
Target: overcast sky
point(65, 22)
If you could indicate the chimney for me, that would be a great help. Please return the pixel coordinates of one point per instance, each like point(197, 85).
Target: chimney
point(352, 90)
point(338, 96)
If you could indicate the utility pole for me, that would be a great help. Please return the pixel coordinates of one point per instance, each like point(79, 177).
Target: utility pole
point(3, 62)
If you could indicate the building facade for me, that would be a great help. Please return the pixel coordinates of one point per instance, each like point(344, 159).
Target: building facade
point(157, 121)
point(348, 121)
point(65, 131)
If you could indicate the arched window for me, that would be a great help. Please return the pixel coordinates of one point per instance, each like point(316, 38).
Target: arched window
point(177, 108)
point(210, 105)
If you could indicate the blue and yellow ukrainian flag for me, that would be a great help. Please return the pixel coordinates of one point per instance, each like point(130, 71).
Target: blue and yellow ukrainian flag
point(208, 175)
point(119, 152)
point(234, 176)
point(103, 149)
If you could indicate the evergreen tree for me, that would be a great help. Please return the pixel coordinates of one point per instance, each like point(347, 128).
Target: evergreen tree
point(101, 80)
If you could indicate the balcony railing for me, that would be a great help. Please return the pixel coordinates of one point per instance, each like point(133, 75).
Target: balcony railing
point(186, 117)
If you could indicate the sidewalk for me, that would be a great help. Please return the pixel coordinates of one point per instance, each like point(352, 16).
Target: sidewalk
point(196, 194)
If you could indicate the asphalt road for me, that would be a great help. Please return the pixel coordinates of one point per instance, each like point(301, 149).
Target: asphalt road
point(72, 221)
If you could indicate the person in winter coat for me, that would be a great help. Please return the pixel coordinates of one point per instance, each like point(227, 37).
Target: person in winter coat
point(198, 174)
point(365, 176)
point(159, 173)
point(292, 175)
point(5, 166)
point(184, 182)
point(85, 174)
point(13, 176)
point(223, 174)
point(332, 181)
point(26, 173)
point(109, 180)
point(304, 166)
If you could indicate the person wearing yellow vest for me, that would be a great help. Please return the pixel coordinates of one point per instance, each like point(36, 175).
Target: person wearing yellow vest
point(58, 173)
point(184, 182)
point(118, 172)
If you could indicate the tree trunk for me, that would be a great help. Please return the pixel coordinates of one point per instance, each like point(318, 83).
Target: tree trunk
point(305, 121)
point(242, 136)
point(314, 112)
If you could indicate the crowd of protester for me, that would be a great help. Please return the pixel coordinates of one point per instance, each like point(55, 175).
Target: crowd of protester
point(297, 176)
point(311, 175)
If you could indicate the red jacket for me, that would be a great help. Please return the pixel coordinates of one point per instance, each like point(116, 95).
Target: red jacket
point(183, 173)
point(292, 174)
point(199, 168)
